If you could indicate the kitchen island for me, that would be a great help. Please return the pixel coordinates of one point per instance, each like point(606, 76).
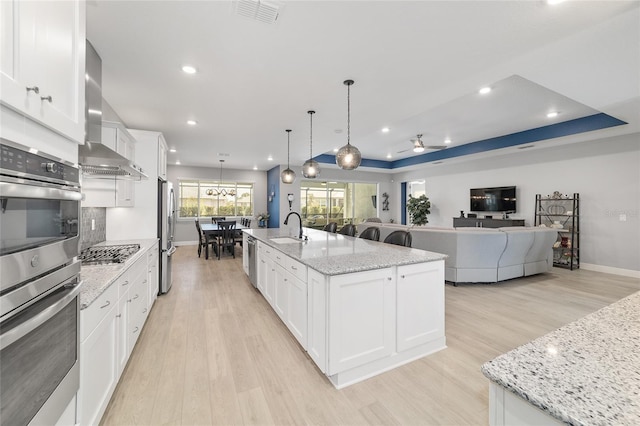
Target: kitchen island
point(358, 307)
point(585, 373)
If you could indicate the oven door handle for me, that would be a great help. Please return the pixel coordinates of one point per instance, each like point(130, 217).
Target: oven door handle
point(23, 190)
point(46, 314)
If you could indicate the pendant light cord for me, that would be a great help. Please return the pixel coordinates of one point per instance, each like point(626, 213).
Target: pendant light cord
point(349, 114)
point(311, 134)
point(288, 133)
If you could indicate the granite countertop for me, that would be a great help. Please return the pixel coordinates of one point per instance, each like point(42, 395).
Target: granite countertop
point(335, 254)
point(97, 278)
point(585, 373)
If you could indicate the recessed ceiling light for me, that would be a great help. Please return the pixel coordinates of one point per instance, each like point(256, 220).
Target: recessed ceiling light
point(389, 156)
point(552, 114)
point(554, 2)
point(178, 163)
point(192, 122)
point(270, 158)
point(484, 90)
point(255, 167)
point(385, 130)
point(189, 69)
point(447, 141)
point(172, 150)
point(336, 149)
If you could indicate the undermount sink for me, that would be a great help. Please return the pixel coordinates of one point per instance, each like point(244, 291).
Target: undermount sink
point(285, 240)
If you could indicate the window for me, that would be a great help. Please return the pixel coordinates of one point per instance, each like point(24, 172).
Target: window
point(198, 198)
point(340, 202)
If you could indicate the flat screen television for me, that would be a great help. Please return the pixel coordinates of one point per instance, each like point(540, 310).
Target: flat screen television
point(502, 199)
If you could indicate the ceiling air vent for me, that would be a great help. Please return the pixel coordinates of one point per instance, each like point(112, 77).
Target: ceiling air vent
point(257, 10)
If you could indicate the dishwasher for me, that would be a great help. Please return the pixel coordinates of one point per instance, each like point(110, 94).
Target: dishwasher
point(253, 261)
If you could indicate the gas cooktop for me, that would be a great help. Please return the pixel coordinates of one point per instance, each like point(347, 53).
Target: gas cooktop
point(105, 255)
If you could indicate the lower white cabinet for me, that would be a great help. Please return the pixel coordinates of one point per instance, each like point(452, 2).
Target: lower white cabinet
point(152, 264)
point(110, 328)
point(359, 324)
point(361, 318)
point(98, 367)
point(296, 315)
point(281, 299)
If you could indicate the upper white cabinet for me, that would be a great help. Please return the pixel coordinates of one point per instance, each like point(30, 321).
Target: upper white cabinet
point(43, 61)
point(163, 151)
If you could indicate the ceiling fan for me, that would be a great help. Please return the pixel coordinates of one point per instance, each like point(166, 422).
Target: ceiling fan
point(419, 146)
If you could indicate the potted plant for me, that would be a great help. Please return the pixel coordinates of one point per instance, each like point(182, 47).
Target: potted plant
point(418, 208)
point(262, 219)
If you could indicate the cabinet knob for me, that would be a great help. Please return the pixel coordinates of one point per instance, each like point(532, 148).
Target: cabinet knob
point(135, 330)
point(119, 316)
point(34, 89)
point(389, 278)
point(105, 305)
point(145, 311)
point(46, 98)
point(402, 276)
point(125, 283)
point(135, 297)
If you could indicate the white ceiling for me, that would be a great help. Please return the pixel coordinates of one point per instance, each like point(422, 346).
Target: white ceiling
point(417, 67)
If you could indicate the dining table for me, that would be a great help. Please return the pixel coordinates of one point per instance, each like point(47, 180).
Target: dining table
point(211, 231)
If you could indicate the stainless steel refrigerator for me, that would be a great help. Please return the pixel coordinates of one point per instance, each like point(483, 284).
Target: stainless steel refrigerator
point(166, 227)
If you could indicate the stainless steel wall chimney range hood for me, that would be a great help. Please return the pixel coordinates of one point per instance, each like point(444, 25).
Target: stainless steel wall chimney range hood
point(96, 158)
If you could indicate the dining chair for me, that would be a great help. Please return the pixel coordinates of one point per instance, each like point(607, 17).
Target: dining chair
point(331, 227)
point(227, 237)
point(216, 219)
point(371, 233)
point(203, 241)
point(399, 238)
point(348, 229)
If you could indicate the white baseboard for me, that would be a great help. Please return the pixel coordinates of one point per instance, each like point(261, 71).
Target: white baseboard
point(185, 243)
point(610, 270)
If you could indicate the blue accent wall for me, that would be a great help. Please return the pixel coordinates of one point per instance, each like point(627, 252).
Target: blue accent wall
point(566, 128)
point(273, 185)
point(403, 203)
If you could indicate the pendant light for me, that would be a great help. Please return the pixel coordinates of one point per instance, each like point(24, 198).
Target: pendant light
point(348, 157)
point(311, 168)
point(218, 192)
point(288, 176)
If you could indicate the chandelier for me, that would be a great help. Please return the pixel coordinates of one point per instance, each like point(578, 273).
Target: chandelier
point(217, 191)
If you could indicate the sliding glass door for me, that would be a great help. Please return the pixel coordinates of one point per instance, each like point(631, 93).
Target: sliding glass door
point(340, 202)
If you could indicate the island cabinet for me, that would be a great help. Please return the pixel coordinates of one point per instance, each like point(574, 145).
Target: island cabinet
point(358, 324)
point(363, 323)
point(283, 283)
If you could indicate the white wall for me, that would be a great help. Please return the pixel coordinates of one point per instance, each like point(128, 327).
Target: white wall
point(185, 228)
point(606, 174)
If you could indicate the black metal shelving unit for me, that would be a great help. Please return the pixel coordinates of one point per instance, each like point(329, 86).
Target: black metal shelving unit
point(561, 212)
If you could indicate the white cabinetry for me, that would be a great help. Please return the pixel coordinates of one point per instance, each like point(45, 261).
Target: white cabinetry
point(109, 329)
point(153, 277)
point(296, 315)
point(359, 324)
point(163, 151)
point(283, 282)
point(98, 355)
point(43, 61)
point(361, 318)
point(417, 325)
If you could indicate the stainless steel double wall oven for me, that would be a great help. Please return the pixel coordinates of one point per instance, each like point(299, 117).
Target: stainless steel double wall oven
point(39, 285)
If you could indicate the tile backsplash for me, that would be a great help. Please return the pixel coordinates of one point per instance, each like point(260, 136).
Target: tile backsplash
point(90, 237)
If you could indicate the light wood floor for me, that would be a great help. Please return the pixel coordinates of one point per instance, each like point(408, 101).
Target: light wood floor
point(213, 352)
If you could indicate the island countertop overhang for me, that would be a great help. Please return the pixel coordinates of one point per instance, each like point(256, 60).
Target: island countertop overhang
point(335, 254)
